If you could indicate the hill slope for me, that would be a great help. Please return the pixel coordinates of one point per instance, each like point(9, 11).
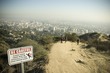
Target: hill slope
point(71, 58)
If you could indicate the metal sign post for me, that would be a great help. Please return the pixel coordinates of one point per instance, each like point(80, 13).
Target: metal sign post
point(22, 67)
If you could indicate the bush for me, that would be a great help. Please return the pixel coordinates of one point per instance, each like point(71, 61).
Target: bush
point(28, 42)
point(56, 39)
point(46, 40)
point(100, 45)
point(71, 37)
point(40, 54)
point(103, 46)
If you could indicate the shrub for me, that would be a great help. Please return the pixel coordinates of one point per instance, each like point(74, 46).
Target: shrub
point(57, 38)
point(46, 40)
point(100, 45)
point(71, 37)
point(40, 54)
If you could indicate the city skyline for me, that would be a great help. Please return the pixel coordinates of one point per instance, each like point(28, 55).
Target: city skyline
point(96, 11)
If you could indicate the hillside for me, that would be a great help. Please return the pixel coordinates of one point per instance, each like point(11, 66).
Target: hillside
point(68, 57)
point(94, 36)
point(98, 40)
point(72, 58)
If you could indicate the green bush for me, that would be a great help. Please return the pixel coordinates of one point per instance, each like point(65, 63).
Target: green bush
point(28, 42)
point(57, 38)
point(71, 37)
point(40, 55)
point(46, 40)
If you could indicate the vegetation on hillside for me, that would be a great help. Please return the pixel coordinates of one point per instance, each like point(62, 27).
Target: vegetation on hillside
point(41, 43)
point(14, 39)
point(100, 41)
point(71, 37)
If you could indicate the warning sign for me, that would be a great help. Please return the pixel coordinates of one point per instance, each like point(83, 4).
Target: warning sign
point(21, 54)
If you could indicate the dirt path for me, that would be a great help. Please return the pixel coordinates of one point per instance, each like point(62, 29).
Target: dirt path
point(70, 58)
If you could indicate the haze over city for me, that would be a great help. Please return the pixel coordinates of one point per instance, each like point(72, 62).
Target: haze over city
point(95, 11)
point(81, 15)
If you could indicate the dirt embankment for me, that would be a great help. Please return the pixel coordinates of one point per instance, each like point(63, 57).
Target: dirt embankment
point(71, 58)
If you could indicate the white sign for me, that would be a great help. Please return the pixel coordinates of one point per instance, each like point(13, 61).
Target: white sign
point(21, 54)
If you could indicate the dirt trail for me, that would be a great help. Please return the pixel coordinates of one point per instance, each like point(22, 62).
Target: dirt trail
point(70, 58)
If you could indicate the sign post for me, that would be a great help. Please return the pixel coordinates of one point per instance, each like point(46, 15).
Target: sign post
point(20, 55)
point(22, 67)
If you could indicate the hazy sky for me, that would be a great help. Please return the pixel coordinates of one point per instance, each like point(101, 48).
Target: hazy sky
point(75, 10)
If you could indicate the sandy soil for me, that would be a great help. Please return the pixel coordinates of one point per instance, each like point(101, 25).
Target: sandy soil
point(71, 58)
